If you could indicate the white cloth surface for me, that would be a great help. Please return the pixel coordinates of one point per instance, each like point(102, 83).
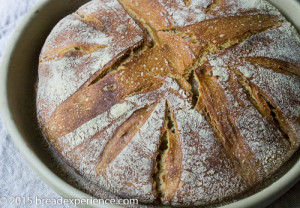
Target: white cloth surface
point(17, 179)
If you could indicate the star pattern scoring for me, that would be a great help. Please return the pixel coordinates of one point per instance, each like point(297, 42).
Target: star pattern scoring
point(173, 102)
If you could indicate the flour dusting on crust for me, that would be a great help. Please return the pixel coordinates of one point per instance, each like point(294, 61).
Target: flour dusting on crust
point(105, 48)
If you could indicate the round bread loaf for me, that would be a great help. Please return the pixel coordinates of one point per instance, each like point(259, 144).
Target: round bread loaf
point(183, 102)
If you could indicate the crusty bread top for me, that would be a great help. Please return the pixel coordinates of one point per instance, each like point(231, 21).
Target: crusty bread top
point(184, 102)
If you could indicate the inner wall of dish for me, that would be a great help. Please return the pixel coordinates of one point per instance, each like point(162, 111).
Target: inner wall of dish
point(23, 73)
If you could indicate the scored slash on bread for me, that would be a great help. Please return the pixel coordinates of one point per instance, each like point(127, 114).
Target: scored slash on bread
point(172, 102)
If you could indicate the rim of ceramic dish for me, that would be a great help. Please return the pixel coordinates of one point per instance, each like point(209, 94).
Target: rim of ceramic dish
point(259, 199)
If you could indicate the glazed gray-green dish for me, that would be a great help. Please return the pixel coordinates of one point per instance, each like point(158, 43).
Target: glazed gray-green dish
point(18, 75)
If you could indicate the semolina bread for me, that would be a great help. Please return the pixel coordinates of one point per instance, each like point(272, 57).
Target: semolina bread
point(183, 102)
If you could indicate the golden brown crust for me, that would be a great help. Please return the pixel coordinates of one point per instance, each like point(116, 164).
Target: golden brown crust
point(172, 102)
point(224, 114)
point(122, 137)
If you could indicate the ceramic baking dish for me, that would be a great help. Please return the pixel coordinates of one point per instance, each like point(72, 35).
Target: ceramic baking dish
point(17, 95)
